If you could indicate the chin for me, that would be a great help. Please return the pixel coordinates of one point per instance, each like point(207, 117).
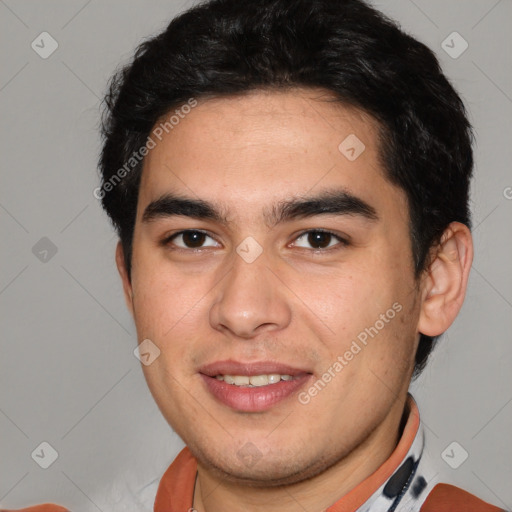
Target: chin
point(263, 470)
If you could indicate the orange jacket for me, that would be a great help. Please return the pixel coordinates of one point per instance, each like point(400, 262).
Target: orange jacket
point(444, 498)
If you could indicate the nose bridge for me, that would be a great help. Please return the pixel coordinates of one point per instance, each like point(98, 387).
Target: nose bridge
point(249, 296)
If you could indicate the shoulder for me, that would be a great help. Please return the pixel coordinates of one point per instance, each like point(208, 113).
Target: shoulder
point(46, 507)
point(447, 498)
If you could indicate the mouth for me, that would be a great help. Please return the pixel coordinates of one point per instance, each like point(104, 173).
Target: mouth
point(252, 387)
point(253, 381)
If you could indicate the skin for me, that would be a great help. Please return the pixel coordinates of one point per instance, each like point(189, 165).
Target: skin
point(291, 304)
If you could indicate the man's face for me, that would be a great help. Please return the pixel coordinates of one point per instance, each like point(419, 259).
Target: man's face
point(260, 294)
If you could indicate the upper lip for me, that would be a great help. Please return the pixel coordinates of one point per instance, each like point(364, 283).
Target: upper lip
point(230, 367)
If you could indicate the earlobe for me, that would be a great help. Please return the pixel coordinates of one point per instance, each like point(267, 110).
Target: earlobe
point(445, 282)
point(125, 278)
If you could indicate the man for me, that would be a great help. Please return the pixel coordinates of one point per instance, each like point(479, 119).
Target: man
point(289, 181)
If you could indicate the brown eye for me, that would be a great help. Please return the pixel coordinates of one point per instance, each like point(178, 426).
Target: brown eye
point(190, 239)
point(320, 239)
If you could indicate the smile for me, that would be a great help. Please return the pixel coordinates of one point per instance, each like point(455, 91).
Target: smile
point(253, 380)
point(252, 387)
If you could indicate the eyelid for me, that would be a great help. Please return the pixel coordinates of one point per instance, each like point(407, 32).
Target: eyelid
point(169, 238)
point(343, 241)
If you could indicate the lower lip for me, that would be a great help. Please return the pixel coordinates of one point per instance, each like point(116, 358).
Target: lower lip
point(255, 399)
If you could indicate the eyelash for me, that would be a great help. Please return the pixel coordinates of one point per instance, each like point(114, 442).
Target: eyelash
point(166, 242)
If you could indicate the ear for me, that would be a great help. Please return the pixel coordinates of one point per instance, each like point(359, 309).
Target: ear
point(445, 282)
point(125, 278)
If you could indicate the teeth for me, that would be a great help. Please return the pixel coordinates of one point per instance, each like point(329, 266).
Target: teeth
point(260, 380)
point(241, 380)
point(254, 380)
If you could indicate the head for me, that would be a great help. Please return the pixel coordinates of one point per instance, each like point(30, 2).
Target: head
point(320, 161)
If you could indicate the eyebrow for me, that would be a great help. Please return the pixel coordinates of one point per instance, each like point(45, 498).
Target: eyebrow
point(328, 202)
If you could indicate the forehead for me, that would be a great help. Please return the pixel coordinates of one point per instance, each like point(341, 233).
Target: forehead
point(266, 146)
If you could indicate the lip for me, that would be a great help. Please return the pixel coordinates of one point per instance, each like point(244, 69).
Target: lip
point(256, 399)
point(231, 367)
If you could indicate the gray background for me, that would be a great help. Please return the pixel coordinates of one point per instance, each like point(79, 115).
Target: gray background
point(68, 374)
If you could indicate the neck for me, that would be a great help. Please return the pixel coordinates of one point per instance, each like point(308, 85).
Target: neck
point(214, 494)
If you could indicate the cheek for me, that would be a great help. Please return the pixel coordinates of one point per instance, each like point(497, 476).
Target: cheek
point(170, 309)
point(163, 299)
point(351, 300)
point(369, 309)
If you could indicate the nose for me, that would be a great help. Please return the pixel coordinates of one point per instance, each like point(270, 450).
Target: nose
point(250, 300)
